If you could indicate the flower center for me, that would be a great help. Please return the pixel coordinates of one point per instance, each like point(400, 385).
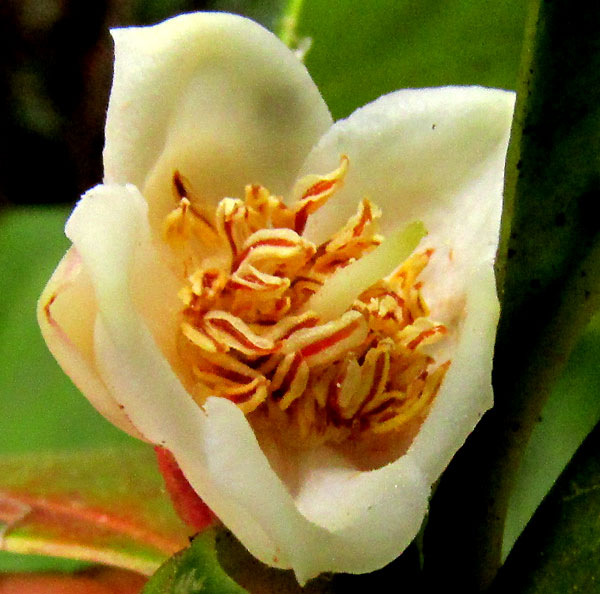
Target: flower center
point(296, 332)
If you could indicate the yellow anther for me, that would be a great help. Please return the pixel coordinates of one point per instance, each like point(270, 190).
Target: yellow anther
point(326, 343)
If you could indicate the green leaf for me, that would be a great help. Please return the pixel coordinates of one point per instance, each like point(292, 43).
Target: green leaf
point(363, 50)
point(106, 506)
point(548, 274)
point(571, 412)
point(194, 570)
point(288, 25)
point(559, 552)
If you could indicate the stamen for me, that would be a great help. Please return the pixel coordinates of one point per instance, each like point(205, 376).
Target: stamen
point(290, 380)
point(315, 191)
point(230, 331)
point(326, 343)
point(281, 252)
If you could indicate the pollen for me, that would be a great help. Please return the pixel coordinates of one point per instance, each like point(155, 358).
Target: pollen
point(327, 342)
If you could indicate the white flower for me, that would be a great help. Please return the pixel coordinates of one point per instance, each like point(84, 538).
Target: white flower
point(202, 105)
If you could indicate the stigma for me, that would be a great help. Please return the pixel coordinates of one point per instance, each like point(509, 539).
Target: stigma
point(327, 342)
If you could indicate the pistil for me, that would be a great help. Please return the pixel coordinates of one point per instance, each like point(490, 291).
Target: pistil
point(345, 286)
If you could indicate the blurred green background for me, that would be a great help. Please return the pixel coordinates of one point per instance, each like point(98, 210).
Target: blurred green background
point(55, 72)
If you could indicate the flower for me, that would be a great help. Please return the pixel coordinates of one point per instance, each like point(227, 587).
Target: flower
point(188, 309)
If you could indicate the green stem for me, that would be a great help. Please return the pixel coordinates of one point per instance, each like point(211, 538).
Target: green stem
point(548, 271)
point(289, 22)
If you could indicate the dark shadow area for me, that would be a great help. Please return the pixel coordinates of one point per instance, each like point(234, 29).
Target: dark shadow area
point(55, 76)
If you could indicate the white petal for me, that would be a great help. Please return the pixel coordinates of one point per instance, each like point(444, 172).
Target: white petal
point(372, 515)
point(466, 392)
point(66, 312)
point(215, 97)
point(434, 155)
point(215, 448)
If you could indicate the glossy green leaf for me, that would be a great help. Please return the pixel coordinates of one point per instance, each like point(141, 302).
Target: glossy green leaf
point(106, 506)
point(548, 269)
point(559, 552)
point(194, 570)
point(571, 412)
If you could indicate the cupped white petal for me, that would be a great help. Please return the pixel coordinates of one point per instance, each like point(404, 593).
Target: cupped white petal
point(372, 516)
point(436, 156)
point(66, 311)
point(466, 392)
point(421, 154)
point(214, 446)
point(215, 97)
